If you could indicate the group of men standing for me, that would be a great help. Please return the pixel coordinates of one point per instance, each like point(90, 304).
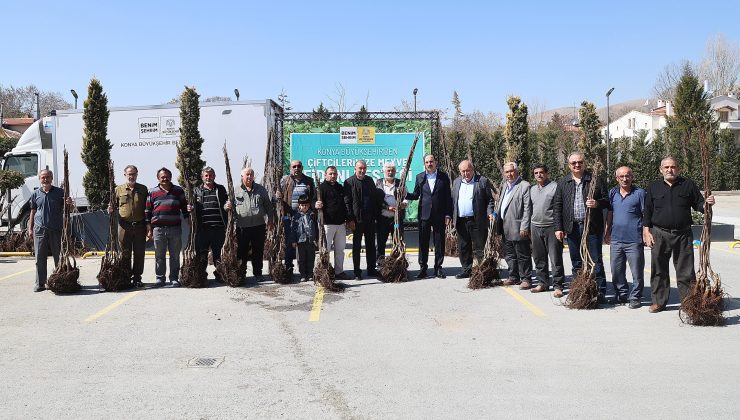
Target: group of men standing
point(157, 213)
point(534, 221)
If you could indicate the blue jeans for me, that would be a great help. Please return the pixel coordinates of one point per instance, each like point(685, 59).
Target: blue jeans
point(622, 253)
point(594, 249)
point(167, 239)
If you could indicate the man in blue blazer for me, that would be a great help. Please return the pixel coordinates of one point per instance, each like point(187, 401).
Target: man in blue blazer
point(472, 202)
point(433, 191)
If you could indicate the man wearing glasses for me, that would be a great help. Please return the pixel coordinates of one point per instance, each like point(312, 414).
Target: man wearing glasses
point(570, 208)
point(624, 235)
point(291, 187)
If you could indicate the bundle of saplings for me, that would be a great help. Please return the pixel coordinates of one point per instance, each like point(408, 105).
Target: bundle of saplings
point(323, 271)
point(584, 292)
point(395, 265)
point(115, 273)
point(228, 266)
point(704, 305)
point(64, 278)
point(193, 272)
point(486, 274)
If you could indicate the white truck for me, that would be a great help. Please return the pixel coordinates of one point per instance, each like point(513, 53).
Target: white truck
point(145, 136)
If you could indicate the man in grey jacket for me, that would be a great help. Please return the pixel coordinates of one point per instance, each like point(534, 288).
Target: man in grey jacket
point(254, 211)
point(544, 243)
point(514, 211)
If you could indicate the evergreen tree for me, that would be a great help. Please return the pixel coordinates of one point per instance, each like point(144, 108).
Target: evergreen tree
point(362, 115)
point(284, 101)
point(516, 134)
point(590, 135)
point(96, 147)
point(656, 151)
point(191, 143)
point(726, 165)
point(692, 114)
point(548, 151)
point(487, 147)
point(640, 161)
point(457, 105)
point(321, 113)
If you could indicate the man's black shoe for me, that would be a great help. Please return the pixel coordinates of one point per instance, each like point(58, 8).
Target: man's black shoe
point(138, 284)
point(601, 300)
point(463, 275)
point(373, 273)
point(440, 273)
point(358, 276)
point(634, 304)
point(422, 274)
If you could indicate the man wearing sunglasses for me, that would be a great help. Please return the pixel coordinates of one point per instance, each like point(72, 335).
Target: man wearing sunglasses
point(570, 207)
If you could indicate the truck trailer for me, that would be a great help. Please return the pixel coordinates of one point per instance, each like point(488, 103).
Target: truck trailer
point(145, 136)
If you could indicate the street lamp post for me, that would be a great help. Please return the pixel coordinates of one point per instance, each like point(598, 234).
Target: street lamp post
point(236, 92)
point(608, 137)
point(38, 107)
point(415, 92)
point(74, 94)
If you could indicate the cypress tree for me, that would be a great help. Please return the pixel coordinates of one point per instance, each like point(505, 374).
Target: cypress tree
point(96, 147)
point(516, 134)
point(590, 135)
point(191, 143)
point(692, 114)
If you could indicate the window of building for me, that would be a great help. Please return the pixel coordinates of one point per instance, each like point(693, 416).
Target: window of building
point(724, 116)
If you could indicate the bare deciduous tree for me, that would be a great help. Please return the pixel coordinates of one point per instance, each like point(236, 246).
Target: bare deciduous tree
point(21, 101)
point(665, 85)
point(338, 100)
point(721, 65)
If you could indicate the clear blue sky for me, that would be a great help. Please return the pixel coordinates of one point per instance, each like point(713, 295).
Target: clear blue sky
point(551, 53)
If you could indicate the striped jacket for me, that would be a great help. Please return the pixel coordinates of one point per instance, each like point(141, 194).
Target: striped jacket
point(163, 208)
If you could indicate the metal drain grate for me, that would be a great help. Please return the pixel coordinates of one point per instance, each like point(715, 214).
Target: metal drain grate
point(205, 362)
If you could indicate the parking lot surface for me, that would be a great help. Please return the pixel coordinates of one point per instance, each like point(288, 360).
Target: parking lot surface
point(422, 349)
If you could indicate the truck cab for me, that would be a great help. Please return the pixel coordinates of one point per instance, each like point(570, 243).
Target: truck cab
point(33, 152)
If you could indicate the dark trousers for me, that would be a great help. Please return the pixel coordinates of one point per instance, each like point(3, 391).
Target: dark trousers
point(210, 238)
point(366, 230)
point(426, 229)
point(679, 246)
point(544, 245)
point(385, 229)
point(471, 239)
point(289, 250)
point(594, 250)
point(306, 257)
point(251, 247)
point(132, 238)
point(518, 255)
point(43, 240)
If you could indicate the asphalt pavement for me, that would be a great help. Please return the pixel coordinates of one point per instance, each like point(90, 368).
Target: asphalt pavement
point(425, 349)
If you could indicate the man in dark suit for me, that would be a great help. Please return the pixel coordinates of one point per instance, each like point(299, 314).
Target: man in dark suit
point(363, 201)
point(472, 203)
point(433, 191)
point(569, 211)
